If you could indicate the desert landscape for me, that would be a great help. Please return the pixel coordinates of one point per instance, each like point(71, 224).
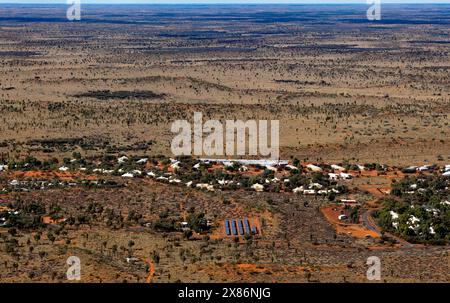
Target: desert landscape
point(86, 167)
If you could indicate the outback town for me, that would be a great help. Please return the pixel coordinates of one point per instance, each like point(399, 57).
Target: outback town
point(173, 216)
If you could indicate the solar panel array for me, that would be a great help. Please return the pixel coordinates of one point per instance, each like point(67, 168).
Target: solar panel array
point(234, 227)
point(247, 224)
point(239, 226)
point(227, 227)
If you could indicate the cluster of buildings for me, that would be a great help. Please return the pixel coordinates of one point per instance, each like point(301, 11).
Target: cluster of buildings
point(331, 172)
point(427, 168)
point(27, 185)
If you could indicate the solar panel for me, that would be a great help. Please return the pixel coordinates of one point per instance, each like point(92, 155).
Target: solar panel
point(234, 227)
point(247, 226)
point(227, 227)
point(254, 230)
point(241, 227)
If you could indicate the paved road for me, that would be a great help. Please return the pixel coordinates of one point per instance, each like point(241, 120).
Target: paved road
point(369, 222)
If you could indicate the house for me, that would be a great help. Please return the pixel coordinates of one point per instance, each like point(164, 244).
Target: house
point(184, 226)
point(337, 167)
point(63, 168)
point(258, 187)
point(315, 185)
point(142, 161)
point(122, 159)
point(394, 217)
point(425, 168)
point(345, 176)
point(3, 167)
point(205, 186)
point(314, 167)
point(298, 190)
point(413, 222)
point(291, 167)
point(309, 192)
point(202, 185)
point(222, 182)
point(128, 175)
point(332, 176)
point(409, 169)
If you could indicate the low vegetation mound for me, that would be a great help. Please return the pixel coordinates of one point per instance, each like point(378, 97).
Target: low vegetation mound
point(122, 94)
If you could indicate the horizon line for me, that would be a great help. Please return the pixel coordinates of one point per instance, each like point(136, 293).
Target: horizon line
point(248, 2)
